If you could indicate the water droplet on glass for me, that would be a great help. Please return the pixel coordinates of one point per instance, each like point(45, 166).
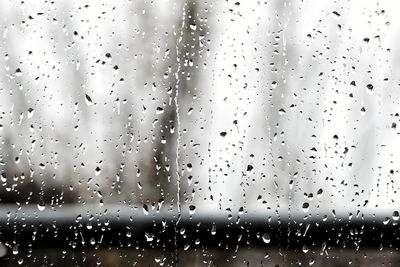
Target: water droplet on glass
point(18, 72)
point(249, 169)
point(306, 206)
point(395, 215)
point(213, 229)
point(149, 236)
point(266, 238)
point(31, 111)
point(159, 110)
point(15, 250)
point(145, 209)
point(41, 206)
point(193, 26)
point(192, 209)
point(386, 220)
point(97, 170)
point(3, 250)
point(88, 100)
point(319, 192)
point(189, 167)
point(370, 89)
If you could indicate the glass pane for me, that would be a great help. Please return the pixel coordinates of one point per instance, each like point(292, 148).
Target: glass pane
point(185, 132)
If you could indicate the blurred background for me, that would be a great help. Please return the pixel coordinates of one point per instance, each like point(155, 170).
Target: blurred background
point(279, 108)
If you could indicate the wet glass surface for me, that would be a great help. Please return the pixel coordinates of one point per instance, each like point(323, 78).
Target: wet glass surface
point(199, 133)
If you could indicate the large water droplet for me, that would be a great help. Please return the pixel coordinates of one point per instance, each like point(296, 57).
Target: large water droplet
point(213, 229)
point(306, 206)
point(149, 236)
point(266, 238)
point(88, 100)
point(18, 72)
point(395, 215)
point(192, 209)
point(41, 206)
point(319, 192)
point(193, 26)
point(3, 250)
point(15, 250)
point(31, 111)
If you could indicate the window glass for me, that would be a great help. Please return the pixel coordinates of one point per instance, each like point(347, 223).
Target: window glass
point(199, 133)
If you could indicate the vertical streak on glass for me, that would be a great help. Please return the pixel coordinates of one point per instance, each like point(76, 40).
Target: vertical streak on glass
point(178, 141)
point(286, 13)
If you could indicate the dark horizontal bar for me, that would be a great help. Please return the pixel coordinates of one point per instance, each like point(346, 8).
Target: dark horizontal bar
point(121, 226)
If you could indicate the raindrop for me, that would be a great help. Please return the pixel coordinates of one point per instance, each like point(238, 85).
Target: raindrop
point(281, 111)
point(159, 110)
point(192, 209)
point(193, 26)
point(319, 192)
point(18, 72)
point(41, 206)
point(31, 111)
point(370, 88)
point(266, 238)
point(97, 170)
point(88, 100)
point(306, 206)
point(15, 250)
point(249, 168)
point(395, 215)
point(189, 167)
point(149, 236)
point(213, 229)
point(145, 209)
point(386, 220)
point(3, 250)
